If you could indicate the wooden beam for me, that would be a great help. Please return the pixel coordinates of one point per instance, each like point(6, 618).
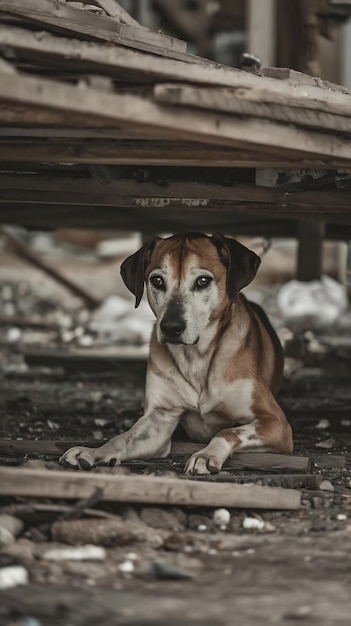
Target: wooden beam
point(241, 461)
point(155, 152)
point(184, 124)
point(141, 489)
point(226, 101)
point(63, 18)
point(44, 190)
point(261, 30)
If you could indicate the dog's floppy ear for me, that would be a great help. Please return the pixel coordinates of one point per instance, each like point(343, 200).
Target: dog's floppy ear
point(133, 269)
point(242, 264)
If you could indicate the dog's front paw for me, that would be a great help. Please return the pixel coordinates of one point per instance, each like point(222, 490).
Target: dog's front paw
point(202, 463)
point(86, 458)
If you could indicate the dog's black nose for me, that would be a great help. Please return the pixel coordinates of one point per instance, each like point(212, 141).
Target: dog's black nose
point(172, 327)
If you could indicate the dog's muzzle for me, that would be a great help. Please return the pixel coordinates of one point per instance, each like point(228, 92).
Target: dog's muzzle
point(173, 324)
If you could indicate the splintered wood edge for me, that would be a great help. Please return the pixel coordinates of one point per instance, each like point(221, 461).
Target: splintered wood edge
point(141, 489)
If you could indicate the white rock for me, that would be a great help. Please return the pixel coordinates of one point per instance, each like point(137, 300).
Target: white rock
point(202, 528)
point(323, 423)
point(13, 334)
point(85, 341)
point(12, 576)
point(127, 567)
point(345, 422)
point(221, 517)
point(252, 523)
point(82, 553)
point(341, 517)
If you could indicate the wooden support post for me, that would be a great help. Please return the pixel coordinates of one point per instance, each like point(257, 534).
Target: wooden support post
point(309, 260)
point(261, 27)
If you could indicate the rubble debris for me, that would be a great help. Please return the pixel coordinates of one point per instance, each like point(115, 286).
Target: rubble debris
point(81, 553)
point(221, 518)
point(10, 528)
point(312, 305)
point(253, 523)
point(12, 576)
point(104, 532)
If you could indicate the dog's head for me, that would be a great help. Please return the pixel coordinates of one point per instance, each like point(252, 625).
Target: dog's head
point(190, 279)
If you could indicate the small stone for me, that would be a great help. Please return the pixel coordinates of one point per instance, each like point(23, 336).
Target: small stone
point(221, 518)
point(252, 523)
point(345, 422)
point(127, 567)
point(326, 444)
point(82, 553)
point(202, 528)
point(13, 334)
point(341, 517)
point(85, 341)
point(12, 576)
point(323, 423)
point(98, 435)
point(326, 485)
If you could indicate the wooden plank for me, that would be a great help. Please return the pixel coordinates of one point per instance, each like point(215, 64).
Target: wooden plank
point(38, 190)
point(287, 481)
point(186, 124)
point(62, 18)
point(226, 101)
point(135, 65)
point(140, 489)
point(156, 152)
point(241, 461)
point(250, 460)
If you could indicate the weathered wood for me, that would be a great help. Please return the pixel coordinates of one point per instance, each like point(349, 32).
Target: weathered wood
point(226, 101)
point(63, 18)
point(150, 68)
point(250, 460)
point(21, 250)
point(141, 489)
point(241, 460)
point(101, 360)
point(187, 124)
point(311, 233)
point(155, 152)
point(287, 481)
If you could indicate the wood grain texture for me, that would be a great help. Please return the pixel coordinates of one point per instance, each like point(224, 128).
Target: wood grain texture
point(141, 489)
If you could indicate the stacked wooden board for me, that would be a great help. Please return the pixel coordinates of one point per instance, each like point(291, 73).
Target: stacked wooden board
point(105, 122)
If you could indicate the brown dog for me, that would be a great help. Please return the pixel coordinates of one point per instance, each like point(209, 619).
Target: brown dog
point(215, 361)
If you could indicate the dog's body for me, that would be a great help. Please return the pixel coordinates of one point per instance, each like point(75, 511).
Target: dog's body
point(215, 361)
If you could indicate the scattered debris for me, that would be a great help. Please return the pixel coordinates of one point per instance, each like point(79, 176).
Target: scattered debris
point(221, 518)
point(13, 576)
point(327, 444)
point(82, 553)
point(10, 528)
point(253, 523)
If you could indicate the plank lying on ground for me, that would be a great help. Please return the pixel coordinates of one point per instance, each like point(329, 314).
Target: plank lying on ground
point(141, 489)
point(64, 18)
point(250, 460)
point(289, 481)
point(187, 124)
point(240, 461)
point(98, 360)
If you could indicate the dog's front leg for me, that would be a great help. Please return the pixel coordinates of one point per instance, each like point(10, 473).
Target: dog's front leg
point(149, 437)
point(268, 432)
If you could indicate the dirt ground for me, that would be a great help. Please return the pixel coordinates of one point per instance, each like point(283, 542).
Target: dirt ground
point(295, 569)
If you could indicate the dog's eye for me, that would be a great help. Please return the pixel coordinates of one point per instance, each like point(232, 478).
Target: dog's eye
point(157, 281)
point(203, 281)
